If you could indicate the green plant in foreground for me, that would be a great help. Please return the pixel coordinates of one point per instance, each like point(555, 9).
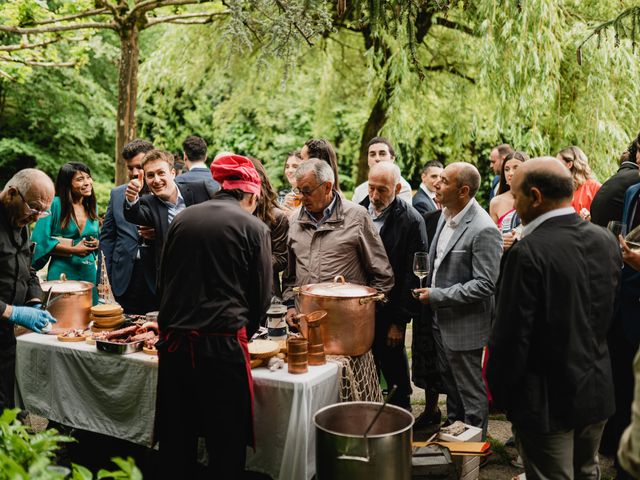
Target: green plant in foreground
point(26, 455)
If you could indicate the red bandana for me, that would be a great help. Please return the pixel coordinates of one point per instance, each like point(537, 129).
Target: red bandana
point(236, 171)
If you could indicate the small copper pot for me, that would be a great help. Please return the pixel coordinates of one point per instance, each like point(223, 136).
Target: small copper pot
point(314, 336)
point(297, 355)
point(70, 303)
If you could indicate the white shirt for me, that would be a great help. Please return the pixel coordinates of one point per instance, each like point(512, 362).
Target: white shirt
point(362, 191)
point(558, 212)
point(450, 225)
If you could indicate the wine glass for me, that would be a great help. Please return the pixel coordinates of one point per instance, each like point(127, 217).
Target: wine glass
point(421, 265)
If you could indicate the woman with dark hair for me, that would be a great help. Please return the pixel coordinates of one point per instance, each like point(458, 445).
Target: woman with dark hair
point(286, 197)
point(276, 219)
point(502, 206)
point(69, 236)
point(322, 150)
point(585, 185)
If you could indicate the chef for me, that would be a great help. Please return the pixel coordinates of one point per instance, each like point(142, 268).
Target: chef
point(215, 284)
point(24, 199)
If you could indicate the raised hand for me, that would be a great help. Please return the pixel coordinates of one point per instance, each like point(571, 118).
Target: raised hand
point(134, 187)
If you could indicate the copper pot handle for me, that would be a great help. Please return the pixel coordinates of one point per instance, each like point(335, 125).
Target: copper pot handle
point(375, 298)
point(339, 279)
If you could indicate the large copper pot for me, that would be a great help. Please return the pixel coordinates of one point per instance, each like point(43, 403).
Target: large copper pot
point(349, 326)
point(69, 303)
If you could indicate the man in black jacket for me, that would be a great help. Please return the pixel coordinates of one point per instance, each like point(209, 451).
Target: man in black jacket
point(215, 285)
point(402, 232)
point(608, 202)
point(549, 363)
point(166, 200)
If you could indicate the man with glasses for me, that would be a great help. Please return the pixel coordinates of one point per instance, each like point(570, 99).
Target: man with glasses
point(331, 236)
point(25, 198)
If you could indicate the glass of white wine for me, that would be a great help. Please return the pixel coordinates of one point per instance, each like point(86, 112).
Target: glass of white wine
point(421, 265)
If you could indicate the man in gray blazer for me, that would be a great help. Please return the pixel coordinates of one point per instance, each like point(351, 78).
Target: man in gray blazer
point(465, 262)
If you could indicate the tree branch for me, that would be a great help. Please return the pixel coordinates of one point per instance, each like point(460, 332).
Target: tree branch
point(284, 9)
point(34, 63)
point(58, 28)
point(7, 76)
point(443, 22)
point(13, 48)
point(98, 11)
point(185, 16)
point(450, 69)
point(148, 5)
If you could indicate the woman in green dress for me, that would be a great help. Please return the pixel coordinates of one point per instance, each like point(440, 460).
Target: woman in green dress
point(69, 236)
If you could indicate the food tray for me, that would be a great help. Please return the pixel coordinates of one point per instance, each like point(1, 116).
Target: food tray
point(119, 348)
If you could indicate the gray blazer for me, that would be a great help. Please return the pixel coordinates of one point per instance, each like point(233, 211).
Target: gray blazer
point(462, 298)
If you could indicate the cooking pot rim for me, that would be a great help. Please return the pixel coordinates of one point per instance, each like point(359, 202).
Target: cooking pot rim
point(377, 405)
point(52, 284)
point(305, 289)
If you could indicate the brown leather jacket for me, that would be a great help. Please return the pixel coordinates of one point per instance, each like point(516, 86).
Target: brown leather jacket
point(346, 244)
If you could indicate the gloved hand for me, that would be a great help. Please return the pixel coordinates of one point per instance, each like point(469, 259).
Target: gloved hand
point(31, 318)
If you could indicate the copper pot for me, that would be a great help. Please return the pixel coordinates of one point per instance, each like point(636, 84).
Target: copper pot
point(349, 326)
point(69, 303)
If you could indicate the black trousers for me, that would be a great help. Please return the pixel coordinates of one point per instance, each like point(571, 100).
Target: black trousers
point(138, 299)
point(7, 377)
point(211, 400)
point(393, 363)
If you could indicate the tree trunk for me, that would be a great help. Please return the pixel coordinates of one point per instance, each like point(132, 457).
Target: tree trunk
point(378, 116)
point(375, 123)
point(127, 96)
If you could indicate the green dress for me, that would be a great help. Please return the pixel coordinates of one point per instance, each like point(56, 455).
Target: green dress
point(74, 266)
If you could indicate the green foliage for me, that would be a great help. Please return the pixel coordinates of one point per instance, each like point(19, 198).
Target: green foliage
point(61, 115)
point(30, 456)
point(546, 100)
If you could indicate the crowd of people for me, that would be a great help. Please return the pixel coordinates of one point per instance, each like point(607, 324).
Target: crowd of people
point(529, 307)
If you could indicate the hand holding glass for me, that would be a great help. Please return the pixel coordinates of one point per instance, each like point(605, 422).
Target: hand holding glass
point(617, 228)
point(421, 265)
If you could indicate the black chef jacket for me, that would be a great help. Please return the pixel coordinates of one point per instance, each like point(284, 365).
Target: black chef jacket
point(18, 281)
point(215, 277)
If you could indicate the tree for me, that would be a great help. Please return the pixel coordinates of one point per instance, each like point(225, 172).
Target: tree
point(40, 26)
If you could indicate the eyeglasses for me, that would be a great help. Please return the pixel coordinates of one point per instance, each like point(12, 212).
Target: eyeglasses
point(32, 211)
point(306, 193)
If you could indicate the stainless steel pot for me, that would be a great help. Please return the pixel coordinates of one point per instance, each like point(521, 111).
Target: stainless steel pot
point(349, 326)
point(343, 452)
point(69, 303)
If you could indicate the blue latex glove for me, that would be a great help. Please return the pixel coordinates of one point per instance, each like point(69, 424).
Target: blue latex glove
point(31, 318)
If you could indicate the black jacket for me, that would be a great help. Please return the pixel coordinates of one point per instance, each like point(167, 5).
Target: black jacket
point(608, 202)
point(402, 234)
point(216, 276)
point(150, 211)
point(423, 202)
point(549, 363)
point(18, 280)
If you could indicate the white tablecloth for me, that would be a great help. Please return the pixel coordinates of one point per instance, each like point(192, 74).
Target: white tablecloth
point(76, 385)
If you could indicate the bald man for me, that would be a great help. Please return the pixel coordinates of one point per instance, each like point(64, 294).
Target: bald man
point(549, 363)
point(465, 261)
point(24, 199)
point(402, 232)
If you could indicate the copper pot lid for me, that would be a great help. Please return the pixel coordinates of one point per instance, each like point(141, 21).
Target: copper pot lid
point(338, 288)
point(65, 286)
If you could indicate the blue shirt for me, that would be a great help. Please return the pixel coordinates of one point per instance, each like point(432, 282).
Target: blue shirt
point(328, 211)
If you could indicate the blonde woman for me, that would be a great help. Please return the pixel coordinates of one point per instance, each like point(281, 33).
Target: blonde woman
point(585, 185)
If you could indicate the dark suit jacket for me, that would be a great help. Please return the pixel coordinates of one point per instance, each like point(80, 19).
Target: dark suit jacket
point(150, 211)
point(402, 235)
point(608, 202)
point(431, 220)
point(549, 360)
point(199, 174)
point(630, 291)
point(423, 202)
point(119, 243)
